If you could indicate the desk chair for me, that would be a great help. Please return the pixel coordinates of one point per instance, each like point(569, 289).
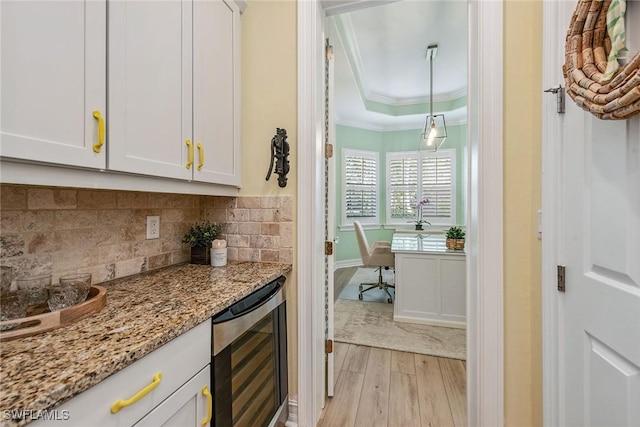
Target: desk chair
point(380, 256)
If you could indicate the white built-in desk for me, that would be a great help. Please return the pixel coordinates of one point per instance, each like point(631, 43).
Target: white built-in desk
point(430, 281)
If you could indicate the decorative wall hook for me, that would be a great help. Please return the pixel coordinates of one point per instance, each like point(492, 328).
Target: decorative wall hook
point(279, 152)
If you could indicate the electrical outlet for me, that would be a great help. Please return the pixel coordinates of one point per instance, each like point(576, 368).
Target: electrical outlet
point(153, 227)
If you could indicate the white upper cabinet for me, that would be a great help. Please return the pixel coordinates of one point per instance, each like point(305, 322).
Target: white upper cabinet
point(173, 89)
point(150, 90)
point(216, 91)
point(53, 78)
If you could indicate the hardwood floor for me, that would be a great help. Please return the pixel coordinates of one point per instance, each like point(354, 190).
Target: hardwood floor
point(385, 388)
point(375, 387)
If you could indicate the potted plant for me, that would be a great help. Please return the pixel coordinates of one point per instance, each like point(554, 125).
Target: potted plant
point(455, 238)
point(419, 220)
point(199, 237)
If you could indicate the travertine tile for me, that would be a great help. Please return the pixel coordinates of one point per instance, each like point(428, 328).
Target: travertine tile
point(238, 241)
point(238, 215)
point(131, 233)
point(269, 255)
point(97, 199)
point(286, 235)
point(30, 265)
point(77, 218)
point(13, 197)
point(40, 242)
point(100, 273)
point(171, 245)
point(248, 254)
point(11, 245)
point(114, 217)
point(263, 215)
point(132, 200)
point(70, 261)
point(215, 215)
point(231, 228)
point(180, 256)
point(286, 209)
point(39, 220)
point(224, 202)
point(270, 228)
point(51, 198)
point(131, 266)
point(232, 254)
point(117, 252)
point(265, 242)
point(270, 202)
point(160, 260)
point(193, 215)
point(249, 202)
point(249, 228)
point(147, 247)
point(172, 215)
point(286, 256)
point(11, 221)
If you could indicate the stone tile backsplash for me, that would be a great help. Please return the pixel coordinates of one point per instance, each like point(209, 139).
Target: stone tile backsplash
point(50, 230)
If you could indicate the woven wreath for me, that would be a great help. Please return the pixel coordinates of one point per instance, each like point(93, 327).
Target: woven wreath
point(594, 42)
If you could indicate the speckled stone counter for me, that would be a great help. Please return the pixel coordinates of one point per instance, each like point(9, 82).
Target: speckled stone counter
point(142, 313)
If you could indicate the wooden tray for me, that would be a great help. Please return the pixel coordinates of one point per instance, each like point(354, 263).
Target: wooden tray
point(40, 319)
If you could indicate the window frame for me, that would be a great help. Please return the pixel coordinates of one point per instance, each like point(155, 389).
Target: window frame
point(419, 155)
point(367, 222)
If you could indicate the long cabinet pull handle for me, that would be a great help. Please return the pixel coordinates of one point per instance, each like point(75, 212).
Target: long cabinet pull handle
point(200, 156)
point(119, 404)
point(97, 147)
point(206, 392)
point(190, 162)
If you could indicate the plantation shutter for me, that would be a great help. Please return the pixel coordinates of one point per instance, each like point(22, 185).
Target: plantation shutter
point(402, 189)
point(437, 186)
point(360, 185)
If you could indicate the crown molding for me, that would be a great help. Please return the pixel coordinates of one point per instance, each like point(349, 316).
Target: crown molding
point(383, 104)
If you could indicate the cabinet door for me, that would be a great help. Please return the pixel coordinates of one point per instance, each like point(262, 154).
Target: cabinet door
point(188, 406)
point(53, 76)
point(150, 88)
point(216, 91)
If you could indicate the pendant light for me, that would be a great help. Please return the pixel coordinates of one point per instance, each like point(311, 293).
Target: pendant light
point(435, 130)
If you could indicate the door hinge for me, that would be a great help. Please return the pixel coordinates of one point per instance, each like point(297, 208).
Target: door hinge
point(329, 51)
point(328, 346)
point(328, 248)
point(561, 278)
point(328, 151)
point(559, 91)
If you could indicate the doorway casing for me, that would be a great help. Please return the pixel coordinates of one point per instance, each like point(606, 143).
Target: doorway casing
point(485, 376)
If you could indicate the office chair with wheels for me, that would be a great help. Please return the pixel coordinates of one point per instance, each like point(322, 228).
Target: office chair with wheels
point(379, 256)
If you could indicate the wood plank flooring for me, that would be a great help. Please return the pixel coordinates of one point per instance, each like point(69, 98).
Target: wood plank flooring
point(385, 388)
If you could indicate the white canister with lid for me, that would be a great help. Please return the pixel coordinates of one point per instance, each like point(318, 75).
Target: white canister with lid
point(218, 253)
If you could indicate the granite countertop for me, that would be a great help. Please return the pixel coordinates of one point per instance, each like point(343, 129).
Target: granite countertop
point(423, 244)
point(142, 313)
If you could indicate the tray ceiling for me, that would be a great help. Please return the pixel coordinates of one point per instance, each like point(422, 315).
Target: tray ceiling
point(381, 74)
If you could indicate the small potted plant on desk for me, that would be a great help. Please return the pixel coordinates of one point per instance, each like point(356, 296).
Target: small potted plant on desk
point(455, 238)
point(199, 237)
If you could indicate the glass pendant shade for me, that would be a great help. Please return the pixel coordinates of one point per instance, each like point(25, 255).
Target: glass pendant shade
point(434, 133)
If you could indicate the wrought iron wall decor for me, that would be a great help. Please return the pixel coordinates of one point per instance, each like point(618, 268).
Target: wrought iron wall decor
point(279, 152)
point(606, 93)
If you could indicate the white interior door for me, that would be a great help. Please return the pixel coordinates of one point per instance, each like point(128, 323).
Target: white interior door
point(598, 240)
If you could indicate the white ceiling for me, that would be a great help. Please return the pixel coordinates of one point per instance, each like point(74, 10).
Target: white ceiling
point(381, 74)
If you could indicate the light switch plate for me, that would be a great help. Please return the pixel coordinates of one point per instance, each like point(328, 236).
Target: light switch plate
point(153, 227)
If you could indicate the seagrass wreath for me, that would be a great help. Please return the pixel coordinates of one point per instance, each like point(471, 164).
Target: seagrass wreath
point(592, 75)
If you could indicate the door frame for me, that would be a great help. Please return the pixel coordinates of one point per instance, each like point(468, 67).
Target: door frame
point(485, 266)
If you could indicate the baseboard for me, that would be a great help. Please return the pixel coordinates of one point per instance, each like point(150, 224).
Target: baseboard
point(357, 262)
point(292, 420)
point(441, 323)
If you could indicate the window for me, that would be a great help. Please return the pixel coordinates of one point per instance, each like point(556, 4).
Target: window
point(359, 186)
point(433, 180)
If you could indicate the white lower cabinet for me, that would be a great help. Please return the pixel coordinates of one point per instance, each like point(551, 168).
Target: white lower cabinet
point(165, 387)
point(191, 405)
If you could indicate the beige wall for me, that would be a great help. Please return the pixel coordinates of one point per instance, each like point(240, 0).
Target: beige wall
point(522, 198)
point(269, 100)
